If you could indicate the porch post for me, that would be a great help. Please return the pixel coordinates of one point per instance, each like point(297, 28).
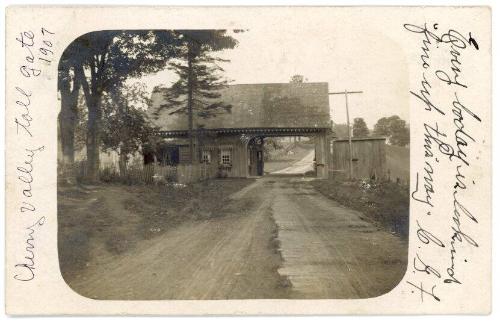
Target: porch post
point(322, 155)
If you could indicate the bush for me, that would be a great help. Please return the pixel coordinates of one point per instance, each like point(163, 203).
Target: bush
point(108, 174)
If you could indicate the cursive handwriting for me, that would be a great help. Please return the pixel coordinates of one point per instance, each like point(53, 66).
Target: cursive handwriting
point(24, 103)
point(26, 271)
point(447, 142)
point(38, 52)
point(26, 171)
point(35, 53)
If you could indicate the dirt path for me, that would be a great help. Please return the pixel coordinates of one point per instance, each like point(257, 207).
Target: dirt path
point(293, 153)
point(299, 167)
point(324, 251)
point(226, 257)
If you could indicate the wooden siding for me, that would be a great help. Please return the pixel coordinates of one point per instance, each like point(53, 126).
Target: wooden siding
point(183, 154)
point(238, 167)
point(368, 154)
point(257, 105)
point(238, 155)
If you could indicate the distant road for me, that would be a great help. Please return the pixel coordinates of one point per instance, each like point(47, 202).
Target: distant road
point(299, 167)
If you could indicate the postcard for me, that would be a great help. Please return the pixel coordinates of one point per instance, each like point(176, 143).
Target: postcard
point(248, 160)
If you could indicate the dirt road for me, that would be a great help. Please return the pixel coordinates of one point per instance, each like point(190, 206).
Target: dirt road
point(328, 250)
point(292, 243)
point(301, 166)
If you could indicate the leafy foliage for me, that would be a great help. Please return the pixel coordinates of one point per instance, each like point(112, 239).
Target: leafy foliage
point(110, 57)
point(271, 145)
point(359, 128)
point(395, 128)
point(99, 63)
point(125, 124)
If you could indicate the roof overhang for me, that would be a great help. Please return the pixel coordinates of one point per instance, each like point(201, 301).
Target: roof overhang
point(287, 131)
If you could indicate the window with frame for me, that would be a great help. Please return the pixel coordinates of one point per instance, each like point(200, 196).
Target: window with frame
point(205, 156)
point(225, 157)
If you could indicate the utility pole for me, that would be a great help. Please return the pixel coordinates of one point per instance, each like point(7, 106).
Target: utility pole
point(345, 93)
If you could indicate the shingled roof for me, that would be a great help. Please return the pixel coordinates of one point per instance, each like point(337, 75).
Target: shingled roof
point(269, 105)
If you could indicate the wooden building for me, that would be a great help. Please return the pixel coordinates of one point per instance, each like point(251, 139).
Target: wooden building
point(234, 140)
point(368, 157)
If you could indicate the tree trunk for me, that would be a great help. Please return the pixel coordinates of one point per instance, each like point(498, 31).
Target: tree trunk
point(190, 102)
point(68, 118)
point(93, 94)
point(67, 124)
point(93, 138)
point(122, 163)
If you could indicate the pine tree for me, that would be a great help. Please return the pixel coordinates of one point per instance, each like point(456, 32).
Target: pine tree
point(197, 91)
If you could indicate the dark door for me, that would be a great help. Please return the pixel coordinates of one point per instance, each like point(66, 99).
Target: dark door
point(260, 163)
point(255, 157)
point(252, 162)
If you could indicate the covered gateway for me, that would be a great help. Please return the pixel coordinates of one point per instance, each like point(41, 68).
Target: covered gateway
point(233, 139)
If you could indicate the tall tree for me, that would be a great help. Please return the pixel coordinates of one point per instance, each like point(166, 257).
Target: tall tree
point(197, 91)
point(381, 128)
point(400, 133)
point(69, 87)
point(359, 128)
point(126, 127)
point(103, 61)
point(394, 128)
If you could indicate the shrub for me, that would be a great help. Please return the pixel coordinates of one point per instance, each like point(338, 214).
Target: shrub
point(108, 174)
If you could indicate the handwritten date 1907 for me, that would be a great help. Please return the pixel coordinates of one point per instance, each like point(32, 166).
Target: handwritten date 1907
point(35, 53)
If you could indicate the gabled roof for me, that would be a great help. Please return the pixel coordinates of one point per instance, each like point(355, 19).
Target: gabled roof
point(269, 105)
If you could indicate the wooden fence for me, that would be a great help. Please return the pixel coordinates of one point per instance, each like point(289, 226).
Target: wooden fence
point(371, 158)
point(188, 173)
point(144, 174)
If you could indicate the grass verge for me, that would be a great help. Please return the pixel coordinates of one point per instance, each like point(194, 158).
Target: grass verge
point(384, 203)
point(99, 220)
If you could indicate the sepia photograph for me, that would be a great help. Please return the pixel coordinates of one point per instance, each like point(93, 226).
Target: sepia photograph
point(232, 164)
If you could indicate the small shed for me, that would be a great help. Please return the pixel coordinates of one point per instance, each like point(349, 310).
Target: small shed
point(368, 156)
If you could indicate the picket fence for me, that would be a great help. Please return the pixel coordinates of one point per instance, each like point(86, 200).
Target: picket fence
point(146, 174)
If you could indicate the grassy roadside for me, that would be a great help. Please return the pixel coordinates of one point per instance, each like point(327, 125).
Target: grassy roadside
point(97, 221)
point(384, 203)
point(163, 207)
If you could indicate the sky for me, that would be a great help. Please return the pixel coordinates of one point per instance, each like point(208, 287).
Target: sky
point(347, 58)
